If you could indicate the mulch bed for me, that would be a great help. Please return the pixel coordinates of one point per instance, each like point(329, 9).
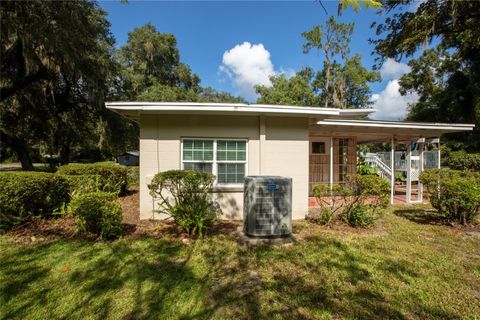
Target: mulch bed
point(42, 230)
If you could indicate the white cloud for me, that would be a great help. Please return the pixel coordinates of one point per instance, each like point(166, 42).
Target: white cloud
point(392, 69)
point(248, 65)
point(390, 104)
point(288, 73)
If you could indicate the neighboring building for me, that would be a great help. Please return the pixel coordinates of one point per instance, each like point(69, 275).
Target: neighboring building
point(310, 145)
point(129, 158)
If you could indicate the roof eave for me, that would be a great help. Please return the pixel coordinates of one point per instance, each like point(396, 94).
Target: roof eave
point(441, 127)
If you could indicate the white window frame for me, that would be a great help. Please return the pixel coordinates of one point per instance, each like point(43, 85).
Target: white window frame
point(215, 162)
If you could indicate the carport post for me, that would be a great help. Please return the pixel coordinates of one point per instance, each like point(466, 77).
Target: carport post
point(392, 170)
point(408, 196)
point(331, 162)
point(421, 167)
point(439, 166)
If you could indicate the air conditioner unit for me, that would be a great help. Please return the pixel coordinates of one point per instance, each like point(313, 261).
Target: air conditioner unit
point(267, 206)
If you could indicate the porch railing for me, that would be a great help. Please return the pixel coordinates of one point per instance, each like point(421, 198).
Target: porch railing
point(430, 159)
point(377, 162)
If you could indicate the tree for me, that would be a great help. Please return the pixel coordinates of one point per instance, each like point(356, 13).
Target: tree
point(297, 90)
point(152, 71)
point(351, 87)
point(333, 40)
point(355, 4)
point(55, 59)
point(446, 76)
point(152, 66)
point(342, 82)
point(209, 94)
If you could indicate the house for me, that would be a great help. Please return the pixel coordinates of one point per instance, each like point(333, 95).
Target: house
point(310, 145)
point(129, 158)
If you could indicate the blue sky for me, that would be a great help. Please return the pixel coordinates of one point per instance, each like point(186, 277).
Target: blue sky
point(206, 30)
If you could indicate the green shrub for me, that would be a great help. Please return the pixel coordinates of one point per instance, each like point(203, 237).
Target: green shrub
point(113, 178)
point(367, 169)
point(184, 196)
point(455, 194)
point(133, 176)
point(361, 216)
point(83, 183)
point(27, 194)
point(324, 216)
point(329, 201)
point(464, 161)
point(99, 213)
point(364, 168)
point(359, 200)
point(400, 177)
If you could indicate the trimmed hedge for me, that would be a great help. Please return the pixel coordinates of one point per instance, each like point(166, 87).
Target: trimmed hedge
point(112, 177)
point(83, 184)
point(133, 176)
point(99, 213)
point(464, 161)
point(455, 194)
point(27, 194)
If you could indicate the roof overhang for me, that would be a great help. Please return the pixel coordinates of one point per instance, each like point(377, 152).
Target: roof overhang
point(373, 130)
point(133, 110)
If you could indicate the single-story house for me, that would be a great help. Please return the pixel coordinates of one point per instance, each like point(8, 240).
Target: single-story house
point(129, 158)
point(309, 144)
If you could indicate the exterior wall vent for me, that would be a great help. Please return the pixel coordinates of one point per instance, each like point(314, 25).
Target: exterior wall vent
point(267, 207)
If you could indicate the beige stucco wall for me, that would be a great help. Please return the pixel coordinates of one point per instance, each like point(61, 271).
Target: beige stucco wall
point(280, 149)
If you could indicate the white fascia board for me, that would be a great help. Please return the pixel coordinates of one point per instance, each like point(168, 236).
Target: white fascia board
point(136, 104)
point(400, 125)
point(181, 107)
point(357, 111)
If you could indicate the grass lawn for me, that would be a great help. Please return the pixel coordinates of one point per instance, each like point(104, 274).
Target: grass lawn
point(405, 269)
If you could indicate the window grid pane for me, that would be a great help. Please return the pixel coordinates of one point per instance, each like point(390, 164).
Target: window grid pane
point(231, 173)
point(231, 150)
point(199, 154)
point(198, 150)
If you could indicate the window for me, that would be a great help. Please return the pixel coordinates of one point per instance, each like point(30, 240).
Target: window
point(225, 158)
point(318, 147)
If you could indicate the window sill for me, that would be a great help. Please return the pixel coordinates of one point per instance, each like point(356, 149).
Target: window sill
point(227, 188)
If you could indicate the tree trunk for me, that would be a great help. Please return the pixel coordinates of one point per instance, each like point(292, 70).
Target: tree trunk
point(65, 154)
point(20, 149)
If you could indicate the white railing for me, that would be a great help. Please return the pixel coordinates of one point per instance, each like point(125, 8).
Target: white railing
point(430, 159)
point(375, 161)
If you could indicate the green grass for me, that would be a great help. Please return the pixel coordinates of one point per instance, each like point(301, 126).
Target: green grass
point(411, 271)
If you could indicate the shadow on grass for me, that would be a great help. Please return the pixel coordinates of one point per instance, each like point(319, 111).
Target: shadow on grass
point(295, 287)
point(343, 293)
point(160, 279)
point(421, 216)
point(115, 280)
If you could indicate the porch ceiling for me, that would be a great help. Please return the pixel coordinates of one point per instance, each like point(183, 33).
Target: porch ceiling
point(382, 131)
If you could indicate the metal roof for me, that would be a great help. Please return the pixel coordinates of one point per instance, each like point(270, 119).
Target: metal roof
point(134, 109)
point(132, 153)
point(378, 130)
point(398, 124)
